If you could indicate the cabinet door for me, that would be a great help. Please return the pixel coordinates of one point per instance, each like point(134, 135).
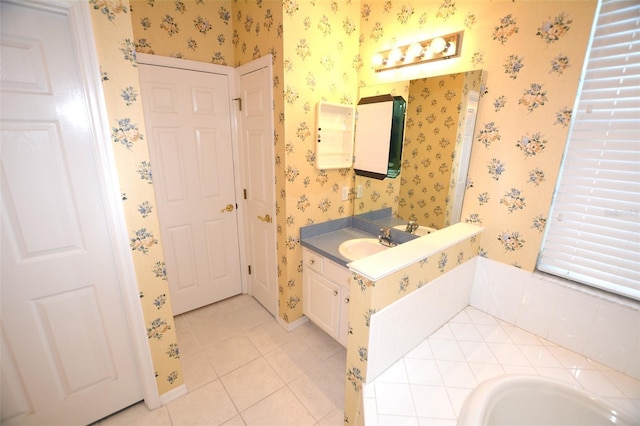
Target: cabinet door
point(344, 317)
point(322, 302)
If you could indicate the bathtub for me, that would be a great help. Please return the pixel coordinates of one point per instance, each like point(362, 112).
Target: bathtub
point(533, 400)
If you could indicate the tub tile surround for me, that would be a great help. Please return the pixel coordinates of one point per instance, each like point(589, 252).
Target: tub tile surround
point(431, 382)
point(517, 322)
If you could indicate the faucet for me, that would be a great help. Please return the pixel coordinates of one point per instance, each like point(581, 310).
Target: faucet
point(411, 227)
point(385, 237)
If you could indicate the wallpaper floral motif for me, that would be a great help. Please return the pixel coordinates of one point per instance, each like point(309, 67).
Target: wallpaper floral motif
point(532, 52)
point(112, 28)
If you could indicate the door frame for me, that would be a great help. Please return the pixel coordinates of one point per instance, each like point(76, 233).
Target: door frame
point(264, 62)
point(229, 73)
point(89, 69)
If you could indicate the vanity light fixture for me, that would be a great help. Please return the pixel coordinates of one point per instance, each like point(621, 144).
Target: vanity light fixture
point(434, 49)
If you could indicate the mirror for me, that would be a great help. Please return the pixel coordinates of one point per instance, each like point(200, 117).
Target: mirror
point(441, 115)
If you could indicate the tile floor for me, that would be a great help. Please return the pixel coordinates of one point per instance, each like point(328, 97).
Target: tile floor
point(242, 368)
point(428, 385)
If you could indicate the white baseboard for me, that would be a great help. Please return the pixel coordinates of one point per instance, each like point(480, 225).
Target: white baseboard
point(173, 394)
point(292, 325)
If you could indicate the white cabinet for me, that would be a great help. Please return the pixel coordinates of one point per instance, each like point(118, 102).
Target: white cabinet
point(334, 135)
point(326, 294)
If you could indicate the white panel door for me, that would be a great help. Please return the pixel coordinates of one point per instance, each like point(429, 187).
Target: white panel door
point(188, 122)
point(258, 166)
point(66, 351)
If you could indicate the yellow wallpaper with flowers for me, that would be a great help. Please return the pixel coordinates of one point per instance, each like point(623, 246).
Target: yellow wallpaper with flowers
point(532, 52)
point(116, 54)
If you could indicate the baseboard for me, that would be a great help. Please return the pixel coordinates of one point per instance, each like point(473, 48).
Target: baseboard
point(173, 394)
point(292, 325)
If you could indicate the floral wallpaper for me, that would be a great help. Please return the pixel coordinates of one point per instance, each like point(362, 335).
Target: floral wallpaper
point(116, 54)
point(532, 52)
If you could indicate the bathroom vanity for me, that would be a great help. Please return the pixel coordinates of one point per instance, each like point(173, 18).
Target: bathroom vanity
point(326, 294)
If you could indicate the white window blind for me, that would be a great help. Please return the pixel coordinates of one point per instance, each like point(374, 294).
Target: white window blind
point(593, 234)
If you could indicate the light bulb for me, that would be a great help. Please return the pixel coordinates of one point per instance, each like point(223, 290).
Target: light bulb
point(414, 51)
point(377, 60)
point(438, 45)
point(394, 56)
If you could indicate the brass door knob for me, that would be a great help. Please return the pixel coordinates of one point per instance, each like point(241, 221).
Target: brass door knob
point(265, 218)
point(229, 208)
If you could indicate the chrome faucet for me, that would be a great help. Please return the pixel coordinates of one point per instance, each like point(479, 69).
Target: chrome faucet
point(411, 226)
point(385, 237)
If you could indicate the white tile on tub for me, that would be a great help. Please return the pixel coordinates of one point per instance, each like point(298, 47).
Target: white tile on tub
point(559, 374)
point(466, 332)
point(433, 402)
point(457, 397)
point(519, 369)
point(477, 352)
point(456, 374)
point(446, 350)
point(394, 374)
point(483, 372)
point(594, 381)
point(394, 399)
point(539, 356)
point(480, 318)
point(629, 386)
point(522, 337)
point(425, 421)
point(461, 317)
point(423, 372)
point(508, 354)
point(384, 420)
point(443, 333)
point(422, 351)
point(493, 333)
point(570, 359)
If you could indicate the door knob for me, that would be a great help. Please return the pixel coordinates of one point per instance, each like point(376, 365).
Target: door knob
point(229, 208)
point(265, 218)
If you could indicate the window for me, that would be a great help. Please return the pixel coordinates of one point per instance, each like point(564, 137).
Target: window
point(593, 234)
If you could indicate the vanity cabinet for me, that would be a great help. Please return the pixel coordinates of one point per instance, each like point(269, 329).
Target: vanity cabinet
point(326, 294)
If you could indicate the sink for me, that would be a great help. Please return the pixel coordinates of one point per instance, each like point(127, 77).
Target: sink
point(422, 230)
point(360, 247)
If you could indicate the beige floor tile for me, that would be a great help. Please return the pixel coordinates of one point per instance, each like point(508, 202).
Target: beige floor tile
point(209, 405)
point(279, 409)
point(138, 415)
point(293, 359)
point(231, 354)
point(321, 390)
point(197, 370)
point(236, 421)
point(187, 341)
point(251, 383)
point(320, 342)
point(334, 418)
point(269, 336)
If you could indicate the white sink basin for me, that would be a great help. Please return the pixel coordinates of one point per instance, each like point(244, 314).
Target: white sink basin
point(360, 247)
point(422, 230)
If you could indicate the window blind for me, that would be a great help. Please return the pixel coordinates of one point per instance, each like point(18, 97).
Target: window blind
point(593, 232)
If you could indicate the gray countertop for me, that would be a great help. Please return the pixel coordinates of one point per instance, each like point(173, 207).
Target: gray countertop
point(324, 238)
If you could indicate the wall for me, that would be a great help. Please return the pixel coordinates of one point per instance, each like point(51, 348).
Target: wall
point(533, 53)
point(115, 48)
point(367, 298)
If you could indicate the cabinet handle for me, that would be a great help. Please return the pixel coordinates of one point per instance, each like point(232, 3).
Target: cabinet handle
point(312, 262)
point(335, 292)
point(346, 300)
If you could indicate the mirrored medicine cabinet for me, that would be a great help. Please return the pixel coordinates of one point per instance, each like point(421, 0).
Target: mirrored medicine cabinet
point(438, 134)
